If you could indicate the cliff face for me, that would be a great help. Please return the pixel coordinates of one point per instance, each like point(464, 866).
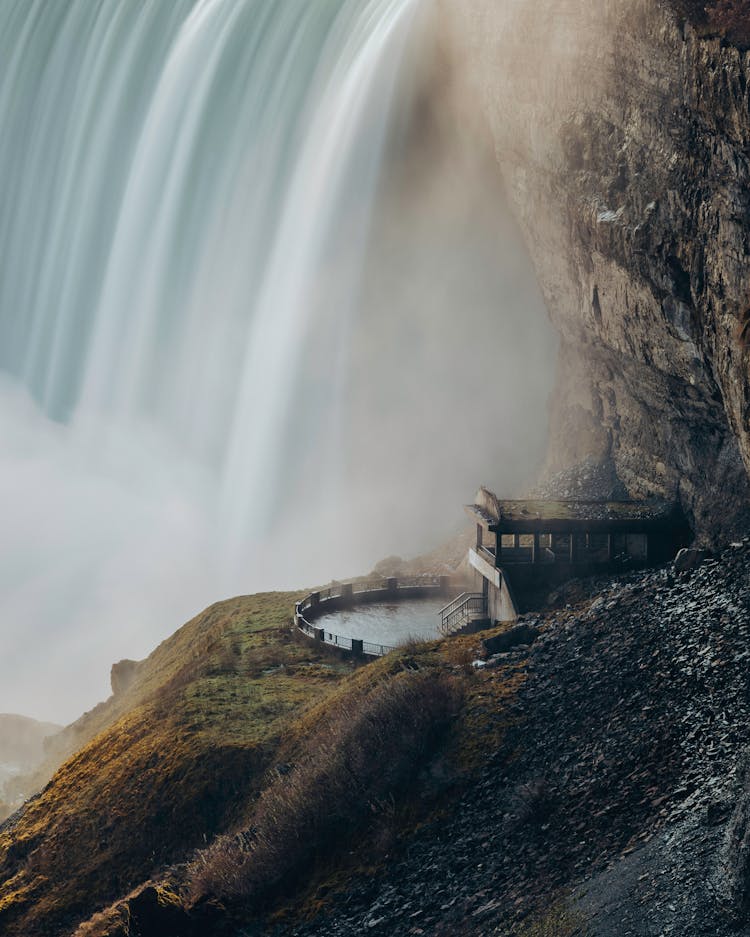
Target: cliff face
point(624, 140)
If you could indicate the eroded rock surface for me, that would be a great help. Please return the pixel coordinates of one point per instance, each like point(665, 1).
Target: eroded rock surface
point(624, 139)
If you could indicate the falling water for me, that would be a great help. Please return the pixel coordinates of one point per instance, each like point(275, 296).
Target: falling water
point(189, 207)
point(175, 175)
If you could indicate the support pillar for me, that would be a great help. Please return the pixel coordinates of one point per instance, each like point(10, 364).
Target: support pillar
point(498, 549)
point(536, 551)
point(572, 552)
point(516, 541)
point(610, 548)
point(480, 536)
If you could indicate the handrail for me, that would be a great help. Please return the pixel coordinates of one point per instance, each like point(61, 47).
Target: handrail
point(350, 593)
point(458, 612)
point(459, 600)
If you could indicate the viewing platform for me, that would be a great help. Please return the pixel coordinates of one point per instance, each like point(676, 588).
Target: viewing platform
point(526, 548)
point(316, 615)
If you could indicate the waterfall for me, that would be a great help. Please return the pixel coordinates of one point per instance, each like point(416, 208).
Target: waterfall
point(250, 330)
point(185, 191)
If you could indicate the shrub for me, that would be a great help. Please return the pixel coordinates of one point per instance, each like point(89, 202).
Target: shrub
point(363, 755)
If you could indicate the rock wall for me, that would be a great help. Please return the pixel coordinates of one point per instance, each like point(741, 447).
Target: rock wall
point(624, 140)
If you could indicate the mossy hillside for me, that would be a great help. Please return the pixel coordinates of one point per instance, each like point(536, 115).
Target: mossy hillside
point(198, 644)
point(231, 694)
point(209, 708)
point(477, 726)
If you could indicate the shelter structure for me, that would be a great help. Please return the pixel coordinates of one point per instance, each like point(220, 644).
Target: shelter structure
point(525, 548)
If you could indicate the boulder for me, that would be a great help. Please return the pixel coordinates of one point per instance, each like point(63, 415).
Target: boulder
point(519, 634)
point(689, 559)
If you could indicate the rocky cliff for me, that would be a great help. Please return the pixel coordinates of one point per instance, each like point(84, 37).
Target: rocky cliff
point(623, 137)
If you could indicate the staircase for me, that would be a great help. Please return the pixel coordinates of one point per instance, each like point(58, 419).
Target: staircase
point(463, 609)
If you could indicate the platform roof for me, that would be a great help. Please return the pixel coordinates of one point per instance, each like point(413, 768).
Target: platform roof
point(528, 516)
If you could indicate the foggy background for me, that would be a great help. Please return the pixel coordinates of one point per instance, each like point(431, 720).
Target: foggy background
point(434, 383)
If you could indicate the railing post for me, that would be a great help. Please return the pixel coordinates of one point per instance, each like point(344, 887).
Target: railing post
point(320, 634)
point(347, 593)
point(358, 647)
point(314, 601)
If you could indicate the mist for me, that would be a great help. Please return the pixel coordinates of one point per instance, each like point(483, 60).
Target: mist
point(420, 369)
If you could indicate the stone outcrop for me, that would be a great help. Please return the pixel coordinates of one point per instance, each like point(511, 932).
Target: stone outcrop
point(122, 675)
point(624, 140)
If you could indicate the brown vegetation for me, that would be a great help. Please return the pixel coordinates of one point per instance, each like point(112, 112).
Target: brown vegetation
point(365, 752)
point(202, 722)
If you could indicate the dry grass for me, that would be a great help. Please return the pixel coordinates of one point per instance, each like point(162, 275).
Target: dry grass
point(353, 768)
point(558, 921)
point(194, 749)
point(174, 769)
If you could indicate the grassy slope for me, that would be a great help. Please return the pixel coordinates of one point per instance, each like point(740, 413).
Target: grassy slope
point(185, 753)
point(187, 748)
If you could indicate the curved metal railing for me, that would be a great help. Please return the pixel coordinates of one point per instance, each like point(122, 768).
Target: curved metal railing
point(341, 595)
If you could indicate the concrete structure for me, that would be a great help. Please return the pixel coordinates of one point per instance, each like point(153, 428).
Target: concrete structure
point(339, 596)
point(525, 548)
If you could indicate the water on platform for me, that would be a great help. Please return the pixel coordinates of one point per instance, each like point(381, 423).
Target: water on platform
point(391, 623)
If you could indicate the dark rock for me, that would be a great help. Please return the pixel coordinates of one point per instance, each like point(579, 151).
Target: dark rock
point(156, 912)
point(520, 634)
point(737, 849)
point(623, 191)
point(689, 559)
